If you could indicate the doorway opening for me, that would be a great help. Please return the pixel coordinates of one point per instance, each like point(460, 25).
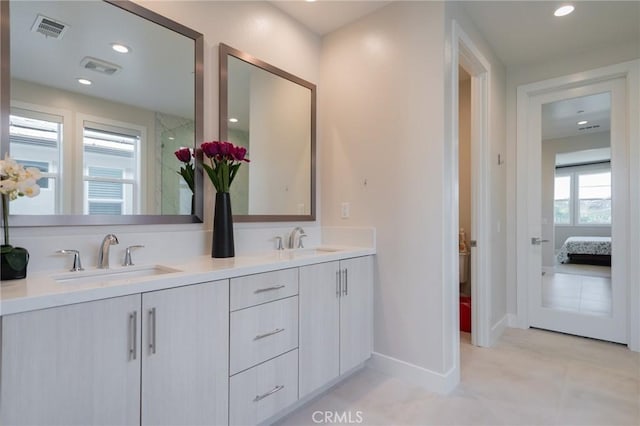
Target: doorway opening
point(465, 196)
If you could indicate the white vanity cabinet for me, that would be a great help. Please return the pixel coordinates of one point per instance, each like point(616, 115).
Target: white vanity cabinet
point(91, 363)
point(185, 342)
point(72, 365)
point(336, 320)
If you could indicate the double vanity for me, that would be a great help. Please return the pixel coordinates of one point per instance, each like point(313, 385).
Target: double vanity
point(211, 341)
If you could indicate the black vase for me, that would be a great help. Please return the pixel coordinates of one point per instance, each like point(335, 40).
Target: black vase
point(222, 227)
point(13, 263)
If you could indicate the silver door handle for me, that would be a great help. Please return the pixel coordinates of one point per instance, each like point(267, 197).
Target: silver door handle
point(271, 333)
point(338, 286)
point(536, 241)
point(271, 392)
point(133, 335)
point(262, 290)
point(152, 333)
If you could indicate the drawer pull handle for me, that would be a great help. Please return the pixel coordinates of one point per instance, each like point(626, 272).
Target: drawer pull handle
point(262, 290)
point(271, 392)
point(271, 333)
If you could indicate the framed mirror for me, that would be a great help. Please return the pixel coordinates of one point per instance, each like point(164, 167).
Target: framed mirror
point(102, 93)
point(272, 113)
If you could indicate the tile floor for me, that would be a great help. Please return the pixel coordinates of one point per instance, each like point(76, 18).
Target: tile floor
point(579, 293)
point(531, 377)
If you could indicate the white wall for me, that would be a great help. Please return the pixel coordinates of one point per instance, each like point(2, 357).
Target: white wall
point(255, 27)
point(558, 234)
point(383, 117)
point(530, 73)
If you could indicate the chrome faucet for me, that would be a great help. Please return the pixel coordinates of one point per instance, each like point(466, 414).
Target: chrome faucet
point(103, 254)
point(292, 237)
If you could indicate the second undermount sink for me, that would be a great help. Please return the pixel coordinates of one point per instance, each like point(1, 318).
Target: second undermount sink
point(117, 274)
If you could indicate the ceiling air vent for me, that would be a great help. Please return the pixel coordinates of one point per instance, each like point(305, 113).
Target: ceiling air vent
point(49, 27)
point(98, 65)
point(595, 126)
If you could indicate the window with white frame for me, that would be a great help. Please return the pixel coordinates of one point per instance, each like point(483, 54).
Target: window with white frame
point(35, 140)
point(582, 196)
point(111, 169)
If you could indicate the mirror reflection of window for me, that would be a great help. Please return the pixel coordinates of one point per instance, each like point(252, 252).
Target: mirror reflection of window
point(35, 141)
point(111, 175)
point(562, 200)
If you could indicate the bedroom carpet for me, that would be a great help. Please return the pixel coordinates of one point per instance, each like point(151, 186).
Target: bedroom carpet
point(531, 377)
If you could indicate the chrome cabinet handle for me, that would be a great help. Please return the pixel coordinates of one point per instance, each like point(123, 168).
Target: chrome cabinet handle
point(346, 282)
point(133, 335)
point(338, 286)
point(271, 392)
point(275, 287)
point(152, 333)
point(271, 333)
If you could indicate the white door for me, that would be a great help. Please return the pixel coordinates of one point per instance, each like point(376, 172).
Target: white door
point(611, 326)
point(185, 339)
point(356, 312)
point(72, 365)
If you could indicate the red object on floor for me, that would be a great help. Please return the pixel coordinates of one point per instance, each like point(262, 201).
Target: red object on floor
point(465, 314)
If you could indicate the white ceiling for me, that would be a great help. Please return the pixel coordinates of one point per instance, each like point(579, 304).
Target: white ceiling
point(156, 75)
point(325, 16)
point(519, 32)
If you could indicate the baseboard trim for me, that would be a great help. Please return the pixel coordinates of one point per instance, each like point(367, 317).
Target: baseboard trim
point(441, 383)
point(512, 320)
point(497, 329)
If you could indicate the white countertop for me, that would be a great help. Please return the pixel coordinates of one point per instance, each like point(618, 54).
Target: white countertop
point(41, 290)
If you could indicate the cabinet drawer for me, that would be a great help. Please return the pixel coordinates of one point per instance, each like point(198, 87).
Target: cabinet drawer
point(260, 288)
point(262, 332)
point(262, 391)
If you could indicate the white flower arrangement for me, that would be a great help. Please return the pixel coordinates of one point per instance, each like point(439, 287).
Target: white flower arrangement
point(15, 181)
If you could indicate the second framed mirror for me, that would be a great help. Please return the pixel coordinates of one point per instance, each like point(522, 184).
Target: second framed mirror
point(272, 113)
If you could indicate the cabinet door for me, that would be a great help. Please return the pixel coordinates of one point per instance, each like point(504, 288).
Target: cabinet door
point(356, 312)
point(184, 355)
point(72, 365)
point(319, 326)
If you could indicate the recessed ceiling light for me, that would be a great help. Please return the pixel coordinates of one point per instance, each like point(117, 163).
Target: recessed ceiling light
point(564, 10)
point(85, 81)
point(310, 1)
point(580, 123)
point(120, 48)
point(233, 120)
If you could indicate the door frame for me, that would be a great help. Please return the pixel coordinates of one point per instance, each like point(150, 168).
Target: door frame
point(630, 72)
point(466, 54)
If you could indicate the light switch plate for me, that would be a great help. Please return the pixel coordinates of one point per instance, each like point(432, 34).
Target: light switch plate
point(345, 210)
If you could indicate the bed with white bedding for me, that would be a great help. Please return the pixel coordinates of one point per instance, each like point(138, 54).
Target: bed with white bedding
point(590, 250)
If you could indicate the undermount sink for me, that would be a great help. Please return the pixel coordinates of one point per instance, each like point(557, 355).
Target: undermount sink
point(109, 275)
point(313, 251)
